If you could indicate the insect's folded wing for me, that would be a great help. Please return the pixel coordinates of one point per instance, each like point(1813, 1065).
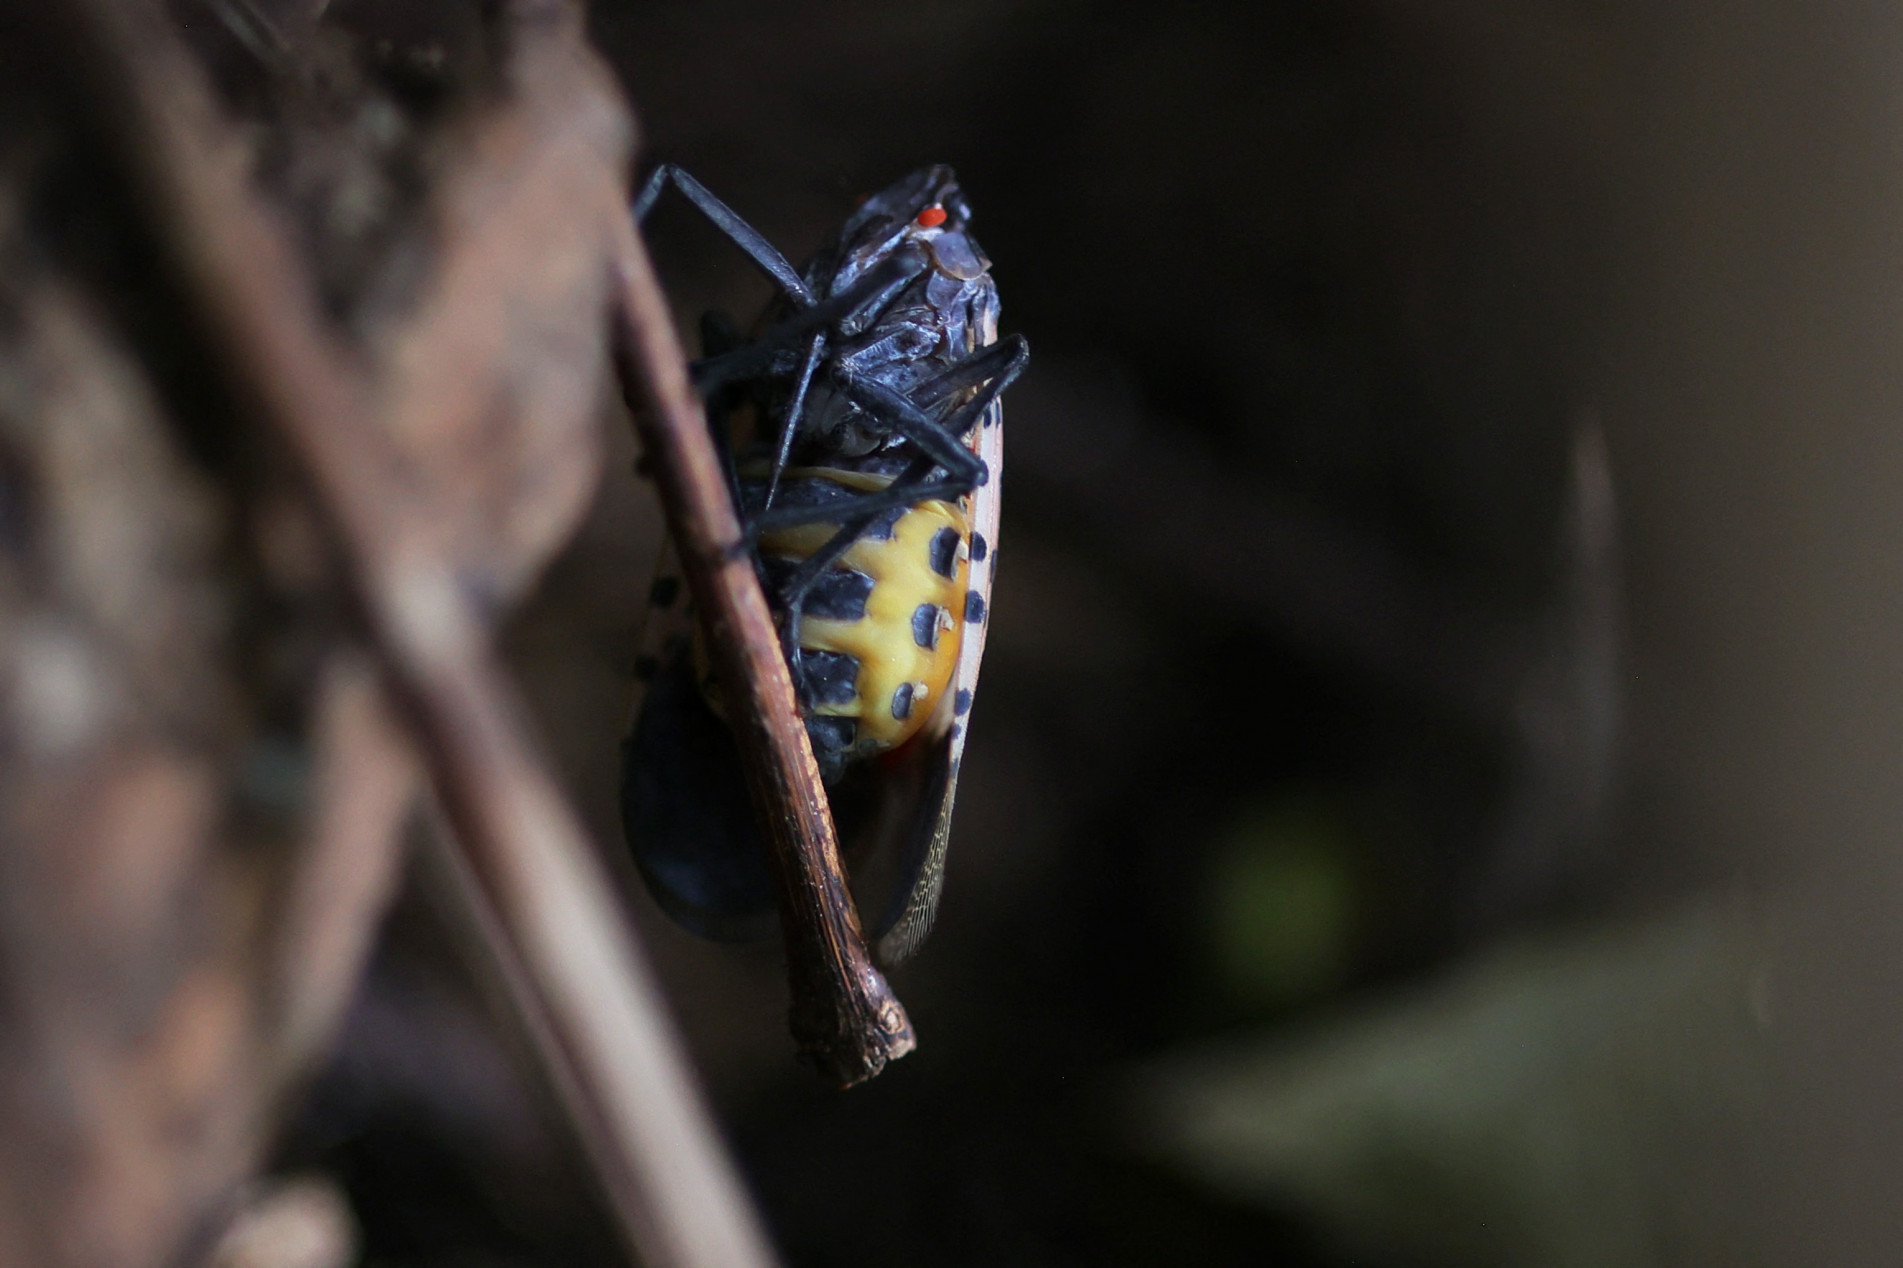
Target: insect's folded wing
point(685, 809)
point(921, 871)
point(687, 815)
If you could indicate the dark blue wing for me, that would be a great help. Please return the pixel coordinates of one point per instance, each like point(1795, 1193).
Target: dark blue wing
point(686, 811)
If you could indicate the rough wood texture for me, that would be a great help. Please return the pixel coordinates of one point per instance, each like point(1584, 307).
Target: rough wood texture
point(197, 850)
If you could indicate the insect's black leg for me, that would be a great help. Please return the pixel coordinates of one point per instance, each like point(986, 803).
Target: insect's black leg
point(789, 426)
point(757, 357)
point(904, 491)
point(1017, 354)
point(765, 256)
point(794, 591)
point(998, 365)
point(896, 412)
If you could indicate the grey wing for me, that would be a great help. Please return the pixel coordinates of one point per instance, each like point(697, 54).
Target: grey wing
point(915, 902)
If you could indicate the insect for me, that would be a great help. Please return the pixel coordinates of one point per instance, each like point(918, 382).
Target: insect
point(863, 429)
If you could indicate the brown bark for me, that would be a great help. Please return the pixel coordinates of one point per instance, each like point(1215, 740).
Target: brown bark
point(255, 523)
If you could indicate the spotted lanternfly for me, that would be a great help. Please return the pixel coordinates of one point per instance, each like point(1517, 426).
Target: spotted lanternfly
point(864, 436)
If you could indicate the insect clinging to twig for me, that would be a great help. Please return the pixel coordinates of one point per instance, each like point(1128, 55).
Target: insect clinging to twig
point(864, 431)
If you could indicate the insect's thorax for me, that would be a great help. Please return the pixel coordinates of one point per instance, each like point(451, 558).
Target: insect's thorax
point(920, 331)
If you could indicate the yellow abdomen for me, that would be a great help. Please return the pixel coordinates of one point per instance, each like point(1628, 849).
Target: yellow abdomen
point(907, 643)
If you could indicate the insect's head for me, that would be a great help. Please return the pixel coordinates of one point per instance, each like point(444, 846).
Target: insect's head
point(927, 207)
point(929, 198)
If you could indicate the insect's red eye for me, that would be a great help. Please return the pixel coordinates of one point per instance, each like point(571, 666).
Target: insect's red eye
point(931, 218)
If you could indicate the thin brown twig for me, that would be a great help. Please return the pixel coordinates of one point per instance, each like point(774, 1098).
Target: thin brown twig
point(845, 1017)
point(606, 1037)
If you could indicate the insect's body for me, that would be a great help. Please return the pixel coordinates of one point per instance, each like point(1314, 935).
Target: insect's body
point(867, 454)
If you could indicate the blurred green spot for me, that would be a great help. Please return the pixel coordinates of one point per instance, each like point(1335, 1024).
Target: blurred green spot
point(1282, 904)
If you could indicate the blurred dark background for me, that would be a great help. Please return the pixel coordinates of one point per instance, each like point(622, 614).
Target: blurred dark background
point(1432, 793)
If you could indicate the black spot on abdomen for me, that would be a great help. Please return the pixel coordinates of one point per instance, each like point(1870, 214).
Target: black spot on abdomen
point(978, 548)
point(925, 625)
point(974, 607)
point(944, 553)
point(838, 594)
point(902, 702)
point(830, 677)
point(832, 742)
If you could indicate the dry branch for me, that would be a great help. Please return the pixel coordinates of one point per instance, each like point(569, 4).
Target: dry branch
point(845, 1017)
